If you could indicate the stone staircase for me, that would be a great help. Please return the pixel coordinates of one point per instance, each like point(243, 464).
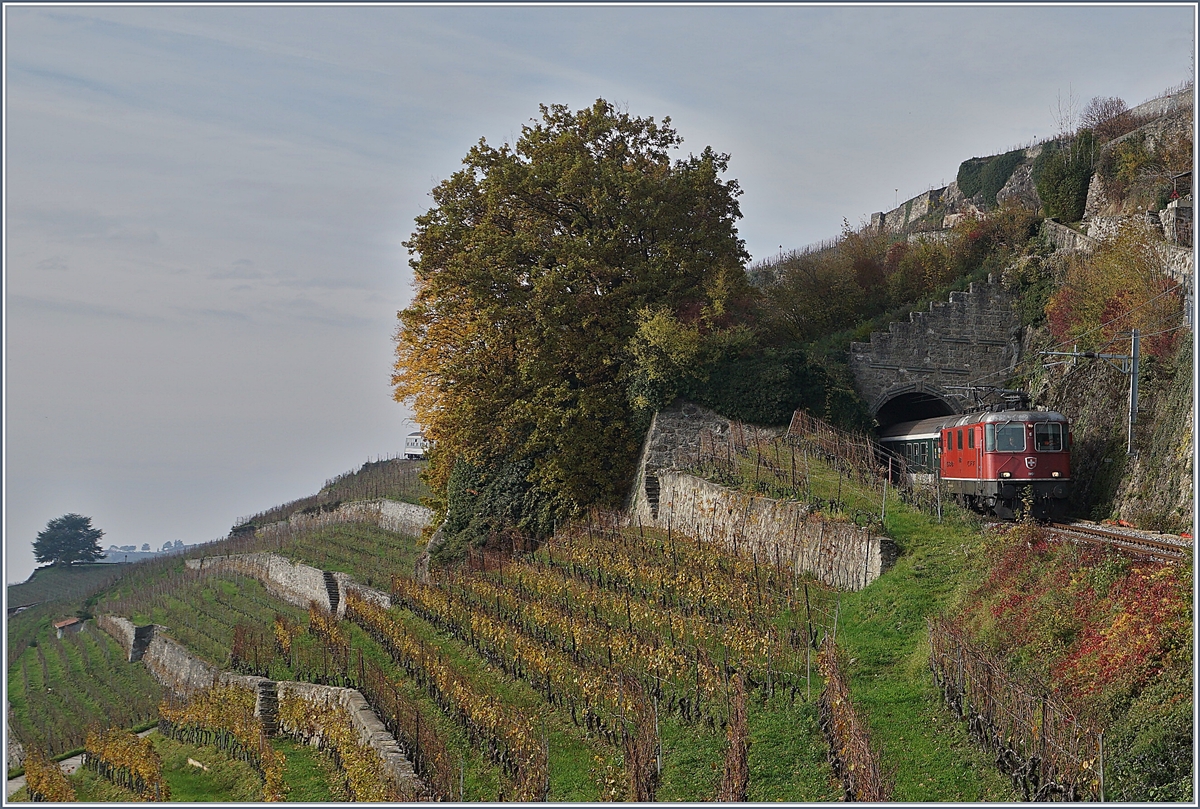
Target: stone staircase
point(331, 587)
point(652, 490)
point(266, 706)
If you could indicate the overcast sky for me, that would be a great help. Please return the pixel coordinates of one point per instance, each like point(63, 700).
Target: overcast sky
point(205, 205)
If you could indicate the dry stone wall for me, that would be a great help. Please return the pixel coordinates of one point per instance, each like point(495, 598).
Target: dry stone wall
point(295, 583)
point(839, 554)
point(973, 335)
point(368, 727)
point(1064, 238)
point(184, 674)
point(390, 515)
point(120, 629)
point(680, 433)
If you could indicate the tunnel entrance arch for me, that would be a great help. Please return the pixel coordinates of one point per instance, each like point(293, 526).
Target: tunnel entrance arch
point(911, 402)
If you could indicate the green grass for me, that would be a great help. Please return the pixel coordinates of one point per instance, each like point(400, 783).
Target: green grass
point(225, 781)
point(309, 774)
point(692, 762)
point(883, 631)
point(788, 754)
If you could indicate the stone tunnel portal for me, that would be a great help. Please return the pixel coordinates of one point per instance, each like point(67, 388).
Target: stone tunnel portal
point(911, 406)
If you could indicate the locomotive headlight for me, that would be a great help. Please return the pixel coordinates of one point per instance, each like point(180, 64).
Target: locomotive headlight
point(1006, 474)
point(1054, 474)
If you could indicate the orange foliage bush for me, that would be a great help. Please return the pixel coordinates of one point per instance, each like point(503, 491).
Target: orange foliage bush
point(1097, 625)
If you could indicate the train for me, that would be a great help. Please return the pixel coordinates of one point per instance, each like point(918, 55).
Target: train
point(994, 462)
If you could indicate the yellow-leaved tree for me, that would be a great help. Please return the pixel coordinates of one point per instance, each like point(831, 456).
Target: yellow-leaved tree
point(530, 270)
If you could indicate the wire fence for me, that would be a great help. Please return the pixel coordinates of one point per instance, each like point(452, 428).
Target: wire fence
point(1038, 741)
point(829, 469)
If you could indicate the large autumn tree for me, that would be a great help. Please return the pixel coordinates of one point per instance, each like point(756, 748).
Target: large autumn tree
point(530, 269)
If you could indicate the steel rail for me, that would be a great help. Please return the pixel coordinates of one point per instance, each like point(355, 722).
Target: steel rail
point(1137, 543)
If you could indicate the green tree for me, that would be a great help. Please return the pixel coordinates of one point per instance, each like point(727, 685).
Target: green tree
point(68, 539)
point(1062, 173)
point(530, 269)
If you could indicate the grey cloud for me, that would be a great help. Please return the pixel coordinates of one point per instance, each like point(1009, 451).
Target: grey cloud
point(242, 269)
point(76, 309)
point(53, 263)
point(81, 226)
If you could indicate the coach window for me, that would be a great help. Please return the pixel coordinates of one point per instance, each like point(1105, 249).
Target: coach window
point(1047, 437)
point(1010, 437)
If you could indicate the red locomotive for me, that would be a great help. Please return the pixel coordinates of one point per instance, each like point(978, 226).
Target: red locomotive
point(993, 461)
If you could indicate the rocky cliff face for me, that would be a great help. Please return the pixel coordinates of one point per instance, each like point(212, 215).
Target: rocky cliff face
point(1151, 488)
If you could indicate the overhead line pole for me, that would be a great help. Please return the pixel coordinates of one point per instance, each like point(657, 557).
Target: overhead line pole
point(1125, 363)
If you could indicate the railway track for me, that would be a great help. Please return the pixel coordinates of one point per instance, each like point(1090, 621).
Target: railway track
point(1163, 547)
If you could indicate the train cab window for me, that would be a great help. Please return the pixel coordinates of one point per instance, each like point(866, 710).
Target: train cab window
point(1010, 437)
point(971, 438)
point(960, 439)
point(989, 437)
point(1047, 437)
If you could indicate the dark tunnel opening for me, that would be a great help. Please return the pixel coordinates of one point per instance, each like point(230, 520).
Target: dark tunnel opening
point(912, 406)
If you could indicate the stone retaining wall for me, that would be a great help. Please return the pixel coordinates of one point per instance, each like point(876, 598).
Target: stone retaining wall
point(390, 515)
point(1065, 238)
point(973, 335)
point(371, 731)
point(121, 630)
point(184, 674)
point(295, 583)
point(679, 432)
point(839, 554)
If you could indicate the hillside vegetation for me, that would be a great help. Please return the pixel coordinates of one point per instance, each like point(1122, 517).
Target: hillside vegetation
point(554, 652)
point(569, 669)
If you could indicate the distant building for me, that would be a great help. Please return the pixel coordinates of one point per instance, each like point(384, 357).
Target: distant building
point(415, 446)
point(67, 626)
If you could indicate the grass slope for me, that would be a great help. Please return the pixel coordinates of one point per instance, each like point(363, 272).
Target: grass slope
point(63, 583)
point(883, 630)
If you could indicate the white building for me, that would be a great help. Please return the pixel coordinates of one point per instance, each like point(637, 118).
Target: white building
point(415, 445)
